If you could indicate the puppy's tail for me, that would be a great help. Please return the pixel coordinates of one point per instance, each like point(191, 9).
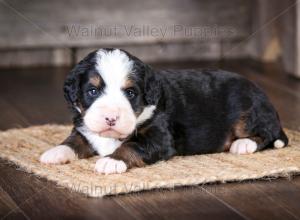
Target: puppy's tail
point(281, 141)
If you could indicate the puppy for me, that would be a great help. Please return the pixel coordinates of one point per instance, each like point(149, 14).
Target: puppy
point(132, 115)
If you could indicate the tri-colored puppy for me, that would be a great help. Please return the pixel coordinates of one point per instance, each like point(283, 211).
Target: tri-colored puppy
point(133, 115)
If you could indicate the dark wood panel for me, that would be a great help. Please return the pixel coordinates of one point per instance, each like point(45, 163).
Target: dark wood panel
point(32, 96)
point(24, 24)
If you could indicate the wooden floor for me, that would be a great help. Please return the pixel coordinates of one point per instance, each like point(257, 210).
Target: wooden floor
point(34, 96)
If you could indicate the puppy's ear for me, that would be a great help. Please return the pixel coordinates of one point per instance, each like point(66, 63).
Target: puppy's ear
point(72, 84)
point(152, 88)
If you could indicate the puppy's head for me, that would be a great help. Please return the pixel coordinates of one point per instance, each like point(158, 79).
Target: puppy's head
point(111, 92)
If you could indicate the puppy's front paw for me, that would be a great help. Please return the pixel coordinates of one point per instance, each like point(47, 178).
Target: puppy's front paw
point(243, 146)
point(58, 155)
point(108, 165)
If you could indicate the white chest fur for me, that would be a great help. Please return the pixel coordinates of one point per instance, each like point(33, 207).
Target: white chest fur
point(104, 146)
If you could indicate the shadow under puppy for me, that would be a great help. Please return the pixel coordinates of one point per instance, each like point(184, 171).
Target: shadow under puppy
point(132, 115)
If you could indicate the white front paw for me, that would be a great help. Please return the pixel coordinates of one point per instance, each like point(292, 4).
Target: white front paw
point(243, 146)
point(58, 155)
point(108, 165)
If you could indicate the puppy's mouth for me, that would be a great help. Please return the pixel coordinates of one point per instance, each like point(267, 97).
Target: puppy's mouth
point(111, 133)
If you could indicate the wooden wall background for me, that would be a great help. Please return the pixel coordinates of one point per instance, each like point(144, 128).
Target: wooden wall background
point(61, 32)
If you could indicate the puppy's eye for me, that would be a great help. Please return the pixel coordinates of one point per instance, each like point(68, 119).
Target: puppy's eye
point(93, 92)
point(130, 93)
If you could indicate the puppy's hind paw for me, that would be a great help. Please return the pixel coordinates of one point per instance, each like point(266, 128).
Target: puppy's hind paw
point(243, 146)
point(279, 144)
point(60, 154)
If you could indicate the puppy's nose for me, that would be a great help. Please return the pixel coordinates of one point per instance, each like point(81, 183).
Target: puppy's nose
point(111, 121)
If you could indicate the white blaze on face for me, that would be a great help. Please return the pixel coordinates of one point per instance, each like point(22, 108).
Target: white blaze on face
point(114, 67)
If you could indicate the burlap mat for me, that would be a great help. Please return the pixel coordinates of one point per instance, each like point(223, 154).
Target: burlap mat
point(24, 146)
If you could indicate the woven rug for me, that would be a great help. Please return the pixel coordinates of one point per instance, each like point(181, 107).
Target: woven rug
point(24, 146)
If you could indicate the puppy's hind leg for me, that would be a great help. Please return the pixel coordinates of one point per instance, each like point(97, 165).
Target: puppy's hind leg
point(252, 144)
point(242, 142)
point(249, 138)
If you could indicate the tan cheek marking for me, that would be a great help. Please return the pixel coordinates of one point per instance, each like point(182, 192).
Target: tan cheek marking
point(81, 109)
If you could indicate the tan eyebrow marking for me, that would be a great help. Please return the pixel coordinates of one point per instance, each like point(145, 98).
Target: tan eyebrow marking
point(95, 81)
point(128, 83)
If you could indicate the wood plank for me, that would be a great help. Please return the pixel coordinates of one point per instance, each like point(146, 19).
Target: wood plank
point(41, 199)
point(182, 203)
point(37, 196)
point(258, 199)
point(169, 51)
point(8, 208)
point(38, 103)
point(289, 35)
point(284, 192)
point(35, 57)
point(11, 117)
